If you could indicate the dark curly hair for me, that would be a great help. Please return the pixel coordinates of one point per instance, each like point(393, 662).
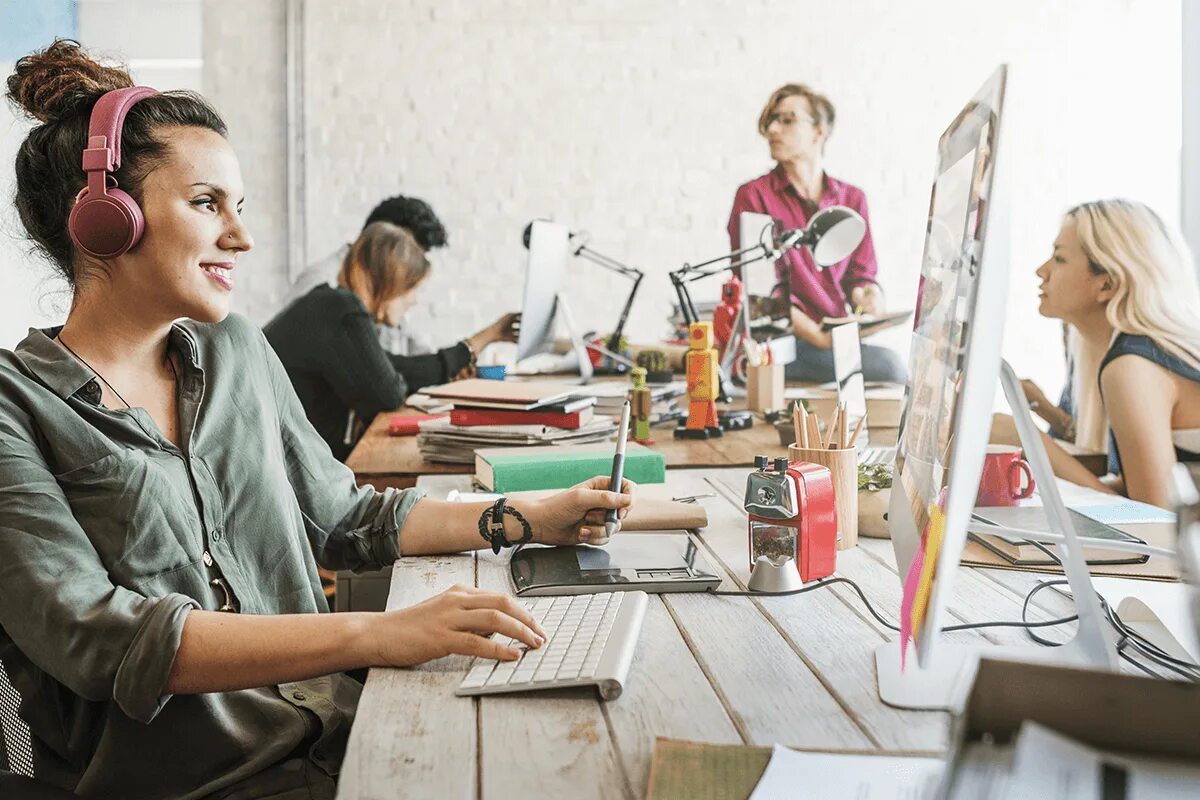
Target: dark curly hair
point(58, 87)
point(413, 215)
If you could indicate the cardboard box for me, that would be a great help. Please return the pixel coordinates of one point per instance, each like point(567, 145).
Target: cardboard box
point(1106, 710)
point(764, 387)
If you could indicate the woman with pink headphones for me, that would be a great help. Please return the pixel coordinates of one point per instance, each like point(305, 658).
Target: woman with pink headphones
point(162, 494)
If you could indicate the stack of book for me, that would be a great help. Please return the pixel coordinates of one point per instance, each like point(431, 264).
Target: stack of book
point(664, 399)
point(486, 414)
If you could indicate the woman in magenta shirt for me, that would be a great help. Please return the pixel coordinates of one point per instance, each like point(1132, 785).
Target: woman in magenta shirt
point(796, 122)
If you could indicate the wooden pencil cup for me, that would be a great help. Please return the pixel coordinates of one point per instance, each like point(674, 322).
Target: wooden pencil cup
point(843, 468)
point(764, 387)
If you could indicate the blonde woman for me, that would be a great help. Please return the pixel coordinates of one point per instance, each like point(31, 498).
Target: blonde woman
point(328, 345)
point(1128, 292)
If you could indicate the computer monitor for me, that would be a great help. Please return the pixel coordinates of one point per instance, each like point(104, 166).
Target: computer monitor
point(546, 264)
point(848, 375)
point(954, 365)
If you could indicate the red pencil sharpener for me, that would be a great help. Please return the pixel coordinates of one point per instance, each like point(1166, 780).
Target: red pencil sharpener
point(792, 515)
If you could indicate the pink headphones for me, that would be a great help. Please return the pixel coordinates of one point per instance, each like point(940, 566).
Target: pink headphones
point(106, 221)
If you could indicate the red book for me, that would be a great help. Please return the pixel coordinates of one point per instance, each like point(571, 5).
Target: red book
point(409, 424)
point(491, 416)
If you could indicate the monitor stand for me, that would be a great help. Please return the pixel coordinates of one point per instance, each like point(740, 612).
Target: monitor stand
point(943, 684)
point(577, 342)
point(549, 363)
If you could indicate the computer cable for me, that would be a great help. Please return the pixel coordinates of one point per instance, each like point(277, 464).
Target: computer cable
point(1129, 639)
point(826, 582)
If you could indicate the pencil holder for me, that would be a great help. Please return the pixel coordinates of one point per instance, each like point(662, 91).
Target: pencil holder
point(764, 387)
point(843, 466)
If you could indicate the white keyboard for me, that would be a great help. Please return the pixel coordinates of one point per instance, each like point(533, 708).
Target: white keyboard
point(590, 639)
point(870, 456)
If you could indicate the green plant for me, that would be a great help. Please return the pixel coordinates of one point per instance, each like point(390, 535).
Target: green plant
point(653, 361)
point(875, 477)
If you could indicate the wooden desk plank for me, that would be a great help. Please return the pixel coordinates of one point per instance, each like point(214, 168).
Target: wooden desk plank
point(411, 735)
point(831, 634)
point(563, 733)
point(787, 701)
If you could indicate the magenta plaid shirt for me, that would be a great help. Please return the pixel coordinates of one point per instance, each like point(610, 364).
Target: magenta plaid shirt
point(818, 293)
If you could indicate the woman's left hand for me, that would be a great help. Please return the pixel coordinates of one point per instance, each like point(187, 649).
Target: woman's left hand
point(576, 515)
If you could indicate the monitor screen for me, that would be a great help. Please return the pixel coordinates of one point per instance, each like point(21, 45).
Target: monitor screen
point(955, 343)
point(548, 251)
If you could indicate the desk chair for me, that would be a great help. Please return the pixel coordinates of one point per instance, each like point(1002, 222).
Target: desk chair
point(16, 752)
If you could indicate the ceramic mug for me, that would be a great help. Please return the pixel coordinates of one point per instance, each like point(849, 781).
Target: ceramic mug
point(1000, 483)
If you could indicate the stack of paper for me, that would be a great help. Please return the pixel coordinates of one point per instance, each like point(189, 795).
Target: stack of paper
point(1044, 763)
point(507, 414)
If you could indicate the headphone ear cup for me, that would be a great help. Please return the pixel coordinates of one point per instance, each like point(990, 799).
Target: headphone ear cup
point(106, 226)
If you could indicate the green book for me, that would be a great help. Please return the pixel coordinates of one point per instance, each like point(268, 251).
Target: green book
point(517, 469)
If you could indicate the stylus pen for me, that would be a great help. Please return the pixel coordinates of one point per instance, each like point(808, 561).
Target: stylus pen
point(618, 472)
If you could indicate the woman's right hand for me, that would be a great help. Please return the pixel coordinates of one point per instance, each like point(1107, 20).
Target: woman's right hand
point(504, 329)
point(455, 622)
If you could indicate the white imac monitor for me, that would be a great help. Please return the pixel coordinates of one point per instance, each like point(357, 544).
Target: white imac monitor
point(548, 251)
point(760, 278)
point(954, 366)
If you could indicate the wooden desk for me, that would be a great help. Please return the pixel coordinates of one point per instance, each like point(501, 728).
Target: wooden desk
point(382, 460)
point(794, 670)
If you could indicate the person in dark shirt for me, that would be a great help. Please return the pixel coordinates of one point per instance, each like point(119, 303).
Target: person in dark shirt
point(327, 341)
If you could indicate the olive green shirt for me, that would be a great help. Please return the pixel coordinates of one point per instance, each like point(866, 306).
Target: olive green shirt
point(104, 530)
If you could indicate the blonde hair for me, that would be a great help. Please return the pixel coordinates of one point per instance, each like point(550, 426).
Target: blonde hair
point(1155, 294)
point(387, 259)
point(822, 109)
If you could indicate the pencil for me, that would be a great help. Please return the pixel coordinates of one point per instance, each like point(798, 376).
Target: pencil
point(797, 426)
point(843, 430)
point(831, 431)
point(857, 430)
point(814, 434)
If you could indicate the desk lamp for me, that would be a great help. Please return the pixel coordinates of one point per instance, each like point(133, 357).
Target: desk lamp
point(579, 248)
point(831, 236)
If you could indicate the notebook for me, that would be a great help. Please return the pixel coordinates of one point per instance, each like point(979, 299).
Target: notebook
point(562, 466)
point(522, 395)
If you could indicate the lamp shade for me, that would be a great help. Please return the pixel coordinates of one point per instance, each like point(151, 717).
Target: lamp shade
point(833, 234)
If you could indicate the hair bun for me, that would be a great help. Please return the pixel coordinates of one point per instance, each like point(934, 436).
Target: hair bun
point(61, 81)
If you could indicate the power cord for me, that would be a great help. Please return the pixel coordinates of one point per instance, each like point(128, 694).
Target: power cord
point(1129, 638)
point(826, 582)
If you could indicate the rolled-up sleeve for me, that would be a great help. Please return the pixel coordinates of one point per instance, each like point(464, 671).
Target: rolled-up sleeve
point(863, 265)
point(349, 526)
point(58, 604)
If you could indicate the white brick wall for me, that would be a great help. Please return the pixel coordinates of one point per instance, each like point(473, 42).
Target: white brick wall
point(635, 120)
point(159, 40)
point(244, 77)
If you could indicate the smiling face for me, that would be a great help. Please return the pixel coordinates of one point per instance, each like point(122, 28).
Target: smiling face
point(1070, 289)
point(184, 266)
point(792, 131)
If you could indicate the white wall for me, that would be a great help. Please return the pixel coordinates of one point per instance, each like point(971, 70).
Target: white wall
point(635, 120)
point(159, 40)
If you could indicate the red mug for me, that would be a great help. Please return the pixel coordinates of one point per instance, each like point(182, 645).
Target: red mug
point(1000, 484)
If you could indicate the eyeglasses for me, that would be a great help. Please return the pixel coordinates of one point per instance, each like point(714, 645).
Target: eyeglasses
point(786, 119)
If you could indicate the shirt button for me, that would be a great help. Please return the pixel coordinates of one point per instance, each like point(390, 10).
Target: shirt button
point(299, 696)
point(217, 534)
